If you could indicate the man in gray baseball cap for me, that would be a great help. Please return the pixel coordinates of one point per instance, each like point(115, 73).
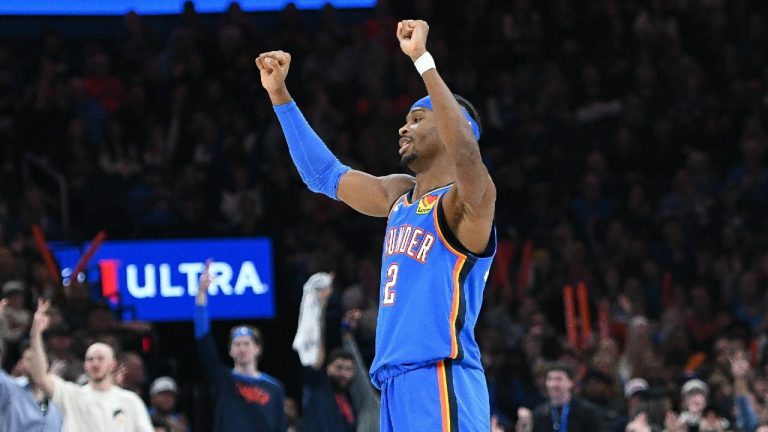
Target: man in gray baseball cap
point(163, 397)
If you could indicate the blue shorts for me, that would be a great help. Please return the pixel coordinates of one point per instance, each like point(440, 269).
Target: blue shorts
point(443, 397)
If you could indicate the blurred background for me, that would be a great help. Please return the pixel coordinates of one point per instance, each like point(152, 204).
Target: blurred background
point(627, 140)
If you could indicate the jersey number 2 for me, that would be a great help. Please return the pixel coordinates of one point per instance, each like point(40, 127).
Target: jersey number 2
point(389, 287)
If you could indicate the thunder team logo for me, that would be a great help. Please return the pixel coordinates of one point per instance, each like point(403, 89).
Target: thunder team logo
point(425, 204)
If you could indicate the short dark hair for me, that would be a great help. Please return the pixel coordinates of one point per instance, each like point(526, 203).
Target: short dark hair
point(339, 353)
point(561, 367)
point(467, 105)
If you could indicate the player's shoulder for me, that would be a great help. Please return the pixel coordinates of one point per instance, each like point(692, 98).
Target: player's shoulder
point(398, 184)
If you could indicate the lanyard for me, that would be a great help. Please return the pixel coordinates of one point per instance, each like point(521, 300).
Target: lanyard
point(562, 425)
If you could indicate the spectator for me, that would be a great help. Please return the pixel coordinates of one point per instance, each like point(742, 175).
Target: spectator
point(364, 397)
point(694, 400)
point(132, 372)
point(293, 415)
point(327, 403)
point(63, 360)
point(15, 315)
point(246, 398)
point(746, 417)
point(23, 405)
point(162, 396)
point(635, 391)
point(564, 411)
point(98, 405)
point(599, 389)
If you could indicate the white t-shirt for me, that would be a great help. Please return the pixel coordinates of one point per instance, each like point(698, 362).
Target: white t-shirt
point(85, 409)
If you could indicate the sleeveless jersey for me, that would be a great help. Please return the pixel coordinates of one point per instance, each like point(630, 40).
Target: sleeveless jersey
point(431, 290)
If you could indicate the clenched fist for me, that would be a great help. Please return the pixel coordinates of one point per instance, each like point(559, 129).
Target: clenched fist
point(273, 68)
point(412, 35)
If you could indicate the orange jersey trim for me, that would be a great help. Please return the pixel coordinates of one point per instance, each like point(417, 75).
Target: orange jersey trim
point(455, 306)
point(442, 237)
point(461, 259)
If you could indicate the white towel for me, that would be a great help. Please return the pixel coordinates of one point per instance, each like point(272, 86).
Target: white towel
point(308, 340)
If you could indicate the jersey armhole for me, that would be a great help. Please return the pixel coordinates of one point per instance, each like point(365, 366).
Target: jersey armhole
point(454, 242)
point(394, 203)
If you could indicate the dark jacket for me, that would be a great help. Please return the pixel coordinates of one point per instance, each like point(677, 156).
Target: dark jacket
point(582, 417)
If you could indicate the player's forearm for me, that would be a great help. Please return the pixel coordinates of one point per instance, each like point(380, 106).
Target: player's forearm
point(320, 170)
point(451, 123)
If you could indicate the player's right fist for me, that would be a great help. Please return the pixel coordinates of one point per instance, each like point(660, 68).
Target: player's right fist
point(273, 67)
point(412, 35)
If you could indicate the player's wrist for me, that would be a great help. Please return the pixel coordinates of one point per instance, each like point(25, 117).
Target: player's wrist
point(417, 53)
point(424, 62)
point(279, 96)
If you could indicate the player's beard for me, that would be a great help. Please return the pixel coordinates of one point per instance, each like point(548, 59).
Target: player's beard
point(407, 160)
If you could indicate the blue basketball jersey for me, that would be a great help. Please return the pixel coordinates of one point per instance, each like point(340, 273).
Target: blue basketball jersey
point(431, 290)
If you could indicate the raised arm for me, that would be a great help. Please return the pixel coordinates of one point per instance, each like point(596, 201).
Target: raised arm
point(309, 341)
point(470, 205)
point(38, 362)
point(202, 323)
point(320, 170)
point(364, 396)
point(207, 353)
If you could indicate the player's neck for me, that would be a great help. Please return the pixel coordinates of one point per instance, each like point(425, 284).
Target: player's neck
point(439, 174)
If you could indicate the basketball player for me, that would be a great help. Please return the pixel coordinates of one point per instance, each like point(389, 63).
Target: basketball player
point(439, 244)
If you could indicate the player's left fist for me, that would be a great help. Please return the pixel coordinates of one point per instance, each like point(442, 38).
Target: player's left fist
point(412, 35)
